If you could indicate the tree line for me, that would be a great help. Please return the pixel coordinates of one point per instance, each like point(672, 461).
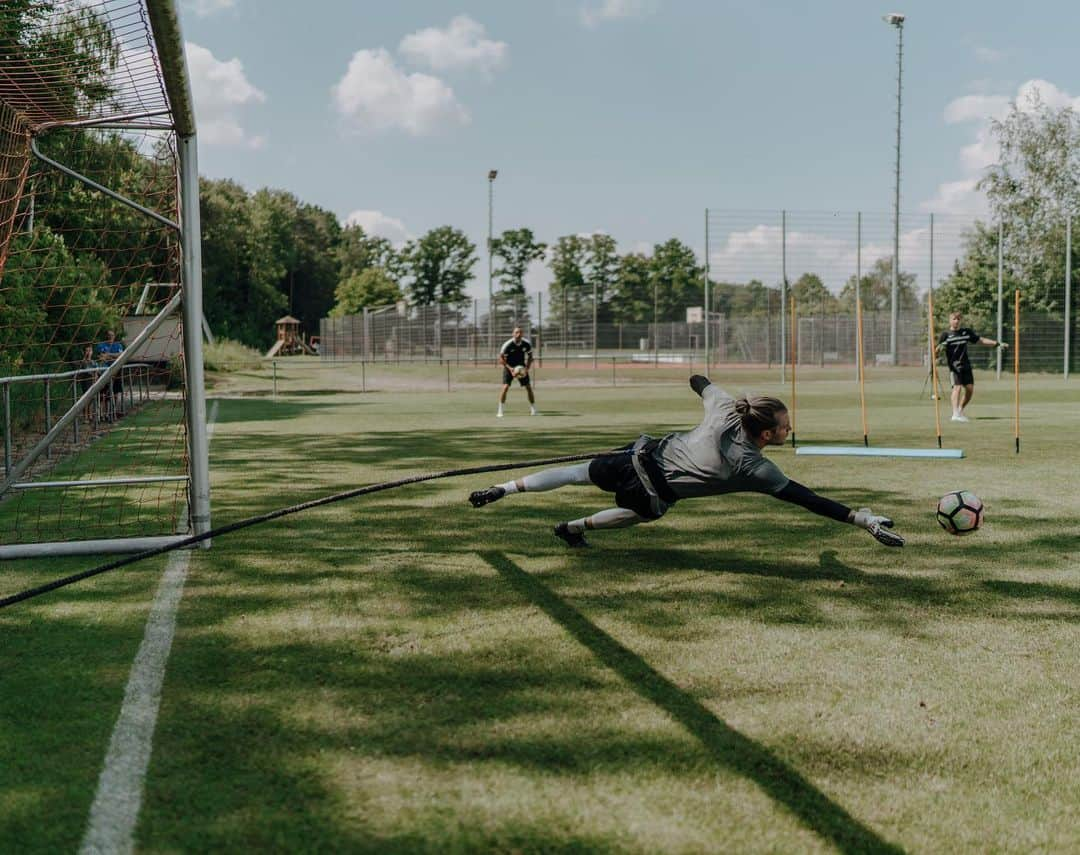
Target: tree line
point(267, 253)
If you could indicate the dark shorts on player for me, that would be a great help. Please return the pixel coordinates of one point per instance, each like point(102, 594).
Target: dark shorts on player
point(615, 473)
point(508, 377)
point(961, 374)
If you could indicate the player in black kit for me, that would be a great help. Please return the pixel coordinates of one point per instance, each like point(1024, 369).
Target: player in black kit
point(516, 358)
point(955, 341)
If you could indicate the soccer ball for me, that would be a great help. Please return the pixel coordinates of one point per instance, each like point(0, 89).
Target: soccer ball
point(520, 371)
point(960, 512)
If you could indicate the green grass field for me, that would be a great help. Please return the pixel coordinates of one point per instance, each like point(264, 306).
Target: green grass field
point(403, 673)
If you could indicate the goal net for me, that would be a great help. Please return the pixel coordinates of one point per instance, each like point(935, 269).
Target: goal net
point(102, 408)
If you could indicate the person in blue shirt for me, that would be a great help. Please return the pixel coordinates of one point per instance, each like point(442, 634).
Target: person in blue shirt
point(107, 352)
point(110, 349)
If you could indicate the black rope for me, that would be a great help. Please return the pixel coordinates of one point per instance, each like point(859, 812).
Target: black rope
point(282, 512)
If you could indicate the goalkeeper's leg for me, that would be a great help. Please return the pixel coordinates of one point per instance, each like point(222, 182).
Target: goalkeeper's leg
point(538, 482)
point(610, 518)
point(573, 533)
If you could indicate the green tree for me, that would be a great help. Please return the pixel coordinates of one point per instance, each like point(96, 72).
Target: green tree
point(876, 289)
point(356, 251)
point(241, 293)
point(736, 300)
point(516, 249)
point(677, 278)
point(601, 271)
point(47, 327)
point(632, 296)
point(314, 279)
point(438, 266)
point(567, 290)
point(1031, 189)
point(811, 294)
point(971, 287)
point(370, 288)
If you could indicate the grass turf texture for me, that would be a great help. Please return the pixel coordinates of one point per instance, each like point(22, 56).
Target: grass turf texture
point(405, 673)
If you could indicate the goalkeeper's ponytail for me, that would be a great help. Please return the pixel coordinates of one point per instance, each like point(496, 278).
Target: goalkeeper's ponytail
point(759, 413)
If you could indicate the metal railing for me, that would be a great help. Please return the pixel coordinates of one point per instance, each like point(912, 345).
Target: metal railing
point(112, 403)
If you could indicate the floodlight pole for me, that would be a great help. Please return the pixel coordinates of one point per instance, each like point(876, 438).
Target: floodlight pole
point(897, 21)
point(492, 174)
point(706, 295)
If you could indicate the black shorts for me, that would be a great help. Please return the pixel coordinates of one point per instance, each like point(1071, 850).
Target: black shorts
point(961, 374)
point(615, 473)
point(508, 377)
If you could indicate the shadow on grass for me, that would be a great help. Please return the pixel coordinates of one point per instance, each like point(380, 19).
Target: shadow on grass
point(64, 669)
point(725, 744)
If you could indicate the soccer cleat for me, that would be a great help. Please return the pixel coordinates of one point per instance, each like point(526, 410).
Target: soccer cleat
point(533, 412)
point(499, 414)
point(573, 539)
point(486, 497)
point(960, 417)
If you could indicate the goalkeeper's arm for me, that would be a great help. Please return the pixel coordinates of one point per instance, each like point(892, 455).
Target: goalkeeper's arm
point(878, 526)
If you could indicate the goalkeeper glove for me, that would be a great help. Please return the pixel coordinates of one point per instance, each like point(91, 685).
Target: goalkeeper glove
point(699, 382)
point(878, 526)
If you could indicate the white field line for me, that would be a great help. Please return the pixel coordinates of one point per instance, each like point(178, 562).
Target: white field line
point(115, 811)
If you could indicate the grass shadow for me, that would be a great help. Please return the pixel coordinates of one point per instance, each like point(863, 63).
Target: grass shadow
point(726, 745)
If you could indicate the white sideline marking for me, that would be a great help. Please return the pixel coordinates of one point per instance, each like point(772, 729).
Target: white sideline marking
point(115, 811)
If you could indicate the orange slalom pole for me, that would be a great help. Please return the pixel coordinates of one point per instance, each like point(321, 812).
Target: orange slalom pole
point(794, 344)
point(933, 367)
point(1016, 365)
point(862, 369)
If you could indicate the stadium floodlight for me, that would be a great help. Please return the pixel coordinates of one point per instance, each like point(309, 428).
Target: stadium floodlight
point(492, 175)
point(896, 19)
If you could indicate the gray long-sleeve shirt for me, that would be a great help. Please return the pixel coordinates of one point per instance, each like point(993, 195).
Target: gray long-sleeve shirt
point(717, 456)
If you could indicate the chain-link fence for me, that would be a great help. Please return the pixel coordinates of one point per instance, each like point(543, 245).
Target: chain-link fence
point(778, 282)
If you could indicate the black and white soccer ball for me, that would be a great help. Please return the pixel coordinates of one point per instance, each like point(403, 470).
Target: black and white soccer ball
point(520, 371)
point(960, 512)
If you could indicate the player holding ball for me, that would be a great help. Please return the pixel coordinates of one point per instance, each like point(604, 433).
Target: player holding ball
point(515, 357)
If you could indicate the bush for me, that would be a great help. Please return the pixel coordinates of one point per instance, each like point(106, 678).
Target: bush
point(228, 355)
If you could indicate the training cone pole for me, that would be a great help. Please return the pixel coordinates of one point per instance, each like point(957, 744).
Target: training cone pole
point(862, 368)
point(794, 343)
point(1016, 368)
point(933, 367)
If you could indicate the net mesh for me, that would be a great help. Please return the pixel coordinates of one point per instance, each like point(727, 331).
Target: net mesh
point(81, 81)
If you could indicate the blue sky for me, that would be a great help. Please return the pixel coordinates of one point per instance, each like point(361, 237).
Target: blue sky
point(623, 116)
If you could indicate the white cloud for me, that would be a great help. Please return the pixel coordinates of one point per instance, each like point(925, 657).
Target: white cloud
point(462, 45)
point(206, 8)
point(610, 10)
point(220, 90)
point(960, 196)
point(1050, 95)
point(376, 95)
point(976, 107)
point(830, 250)
point(380, 225)
point(989, 54)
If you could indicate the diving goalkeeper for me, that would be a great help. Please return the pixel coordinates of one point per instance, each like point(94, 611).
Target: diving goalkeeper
point(723, 454)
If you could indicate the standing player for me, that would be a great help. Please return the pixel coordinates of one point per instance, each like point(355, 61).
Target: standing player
point(955, 341)
point(516, 358)
point(723, 454)
point(109, 351)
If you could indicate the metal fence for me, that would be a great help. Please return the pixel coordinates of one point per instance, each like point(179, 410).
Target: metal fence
point(771, 256)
